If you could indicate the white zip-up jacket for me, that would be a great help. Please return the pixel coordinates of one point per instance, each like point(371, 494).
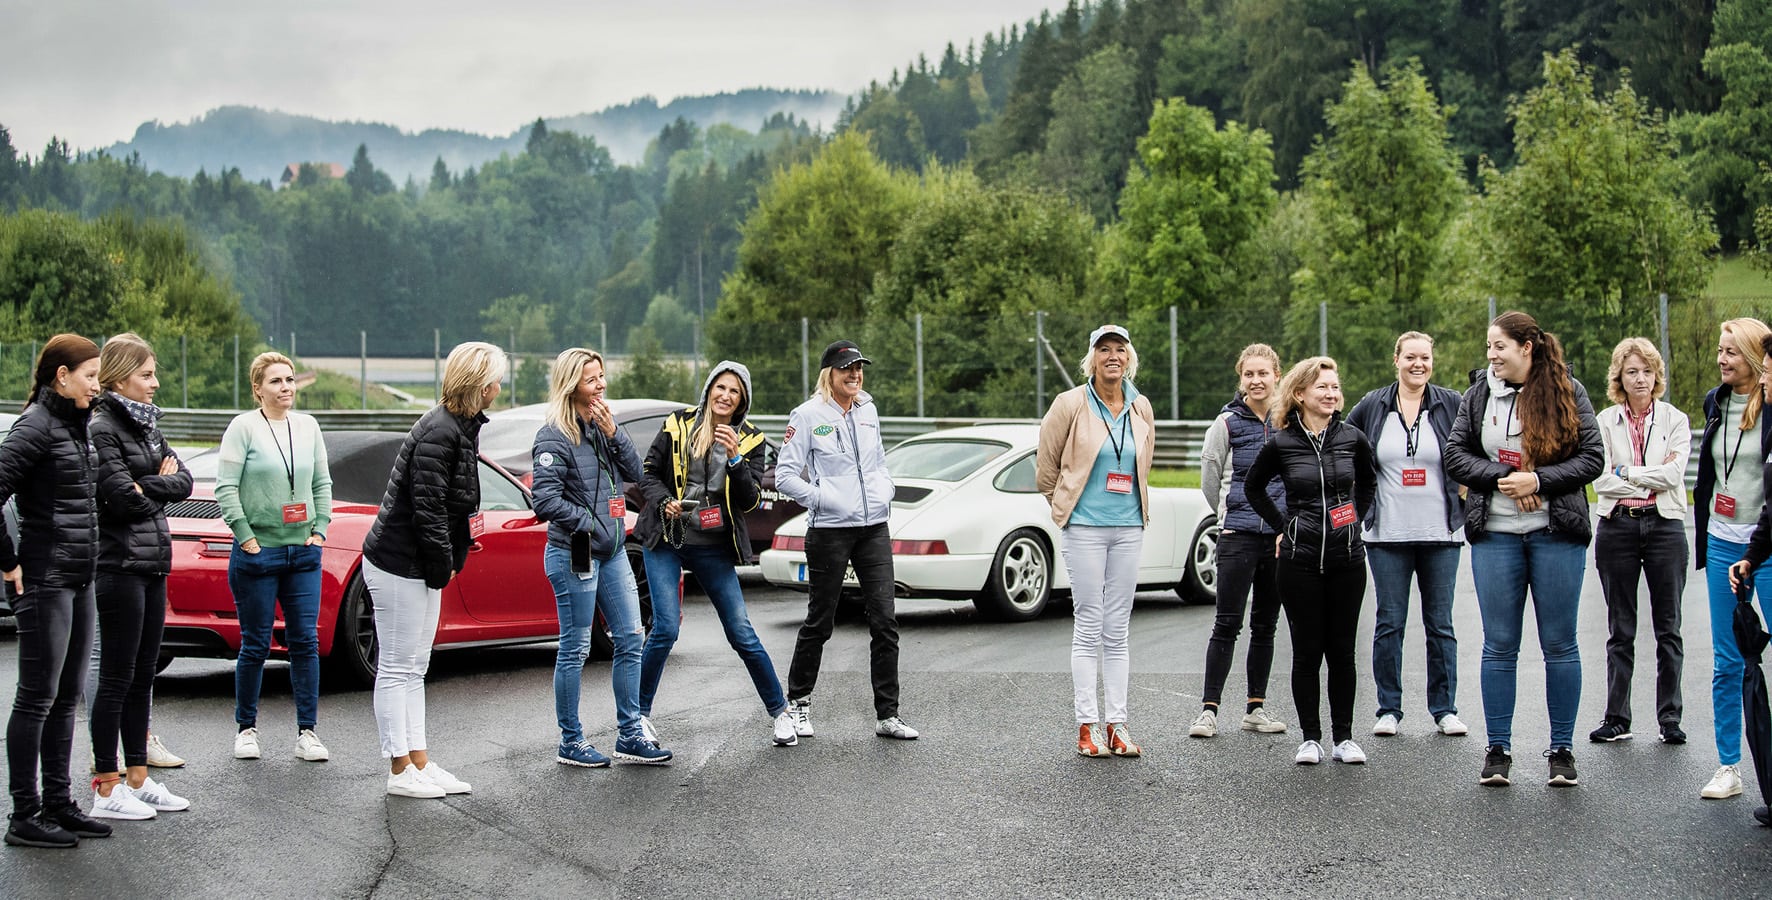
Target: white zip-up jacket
point(1670, 434)
point(835, 465)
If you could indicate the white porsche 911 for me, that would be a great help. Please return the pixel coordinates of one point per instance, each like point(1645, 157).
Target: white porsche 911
point(967, 524)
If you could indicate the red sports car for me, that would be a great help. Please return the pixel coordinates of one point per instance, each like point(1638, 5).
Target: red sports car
point(502, 597)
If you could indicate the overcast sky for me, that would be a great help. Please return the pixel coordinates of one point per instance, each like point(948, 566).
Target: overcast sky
point(90, 72)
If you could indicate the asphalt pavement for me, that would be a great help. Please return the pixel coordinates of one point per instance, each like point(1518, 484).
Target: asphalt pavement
point(991, 801)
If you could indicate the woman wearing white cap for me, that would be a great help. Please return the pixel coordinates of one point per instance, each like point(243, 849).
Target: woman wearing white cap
point(1094, 467)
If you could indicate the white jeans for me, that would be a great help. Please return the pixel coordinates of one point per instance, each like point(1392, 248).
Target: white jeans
point(406, 625)
point(1103, 566)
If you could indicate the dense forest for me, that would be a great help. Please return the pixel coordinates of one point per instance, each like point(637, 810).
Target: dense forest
point(1296, 171)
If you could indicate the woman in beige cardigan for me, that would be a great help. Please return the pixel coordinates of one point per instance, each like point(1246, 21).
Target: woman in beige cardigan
point(1094, 468)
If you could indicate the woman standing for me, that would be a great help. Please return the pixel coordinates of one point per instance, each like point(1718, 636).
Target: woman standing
point(1726, 502)
point(1094, 466)
point(1526, 444)
point(703, 473)
point(1327, 467)
point(1413, 531)
point(1642, 533)
point(275, 492)
point(581, 460)
point(429, 519)
point(138, 474)
point(45, 463)
point(1245, 545)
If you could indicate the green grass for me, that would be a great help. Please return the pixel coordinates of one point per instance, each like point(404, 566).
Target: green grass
point(1736, 277)
point(1183, 478)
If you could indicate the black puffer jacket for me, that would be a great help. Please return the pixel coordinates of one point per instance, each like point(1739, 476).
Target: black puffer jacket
point(132, 532)
point(46, 461)
point(1318, 479)
point(1563, 483)
point(422, 529)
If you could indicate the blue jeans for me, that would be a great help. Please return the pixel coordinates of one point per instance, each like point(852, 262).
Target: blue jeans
point(1725, 678)
point(609, 587)
point(289, 577)
point(1505, 565)
point(712, 566)
point(1435, 569)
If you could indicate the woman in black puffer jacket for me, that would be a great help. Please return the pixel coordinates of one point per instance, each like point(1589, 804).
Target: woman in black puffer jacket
point(138, 474)
point(429, 518)
point(1330, 481)
point(46, 462)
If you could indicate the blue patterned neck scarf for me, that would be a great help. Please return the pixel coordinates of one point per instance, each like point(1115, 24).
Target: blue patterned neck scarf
point(147, 415)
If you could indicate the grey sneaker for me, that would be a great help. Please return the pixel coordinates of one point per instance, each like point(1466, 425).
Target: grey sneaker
point(1259, 721)
point(894, 727)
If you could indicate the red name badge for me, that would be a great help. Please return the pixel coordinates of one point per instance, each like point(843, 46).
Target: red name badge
point(618, 507)
point(294, 512)
point(476, 525)
point(1725, 505)
point(1119, 483)
point(1415, 478)
point(710, 517)
point(1342, 516)
point(1509, 457)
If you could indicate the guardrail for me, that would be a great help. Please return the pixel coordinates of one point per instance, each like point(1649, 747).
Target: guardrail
point(1178, 441)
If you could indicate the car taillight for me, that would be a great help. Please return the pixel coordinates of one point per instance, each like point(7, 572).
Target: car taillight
point(784, 542)
point(920, 548)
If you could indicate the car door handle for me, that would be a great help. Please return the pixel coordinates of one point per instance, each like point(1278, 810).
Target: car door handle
point(476, 547)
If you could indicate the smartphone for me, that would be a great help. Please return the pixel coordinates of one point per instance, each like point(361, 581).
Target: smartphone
point(686, 507)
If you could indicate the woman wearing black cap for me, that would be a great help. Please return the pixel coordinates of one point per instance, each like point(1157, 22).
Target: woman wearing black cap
point(1094, 467)
point(833, 463)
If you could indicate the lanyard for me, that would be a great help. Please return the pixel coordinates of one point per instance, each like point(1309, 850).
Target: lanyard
point(1729, 461)
point(1412, 433)
point(597, 447)
point(1120, 442)
point(289, 461)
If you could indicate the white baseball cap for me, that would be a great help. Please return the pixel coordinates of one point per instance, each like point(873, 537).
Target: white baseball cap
point(1106, 330)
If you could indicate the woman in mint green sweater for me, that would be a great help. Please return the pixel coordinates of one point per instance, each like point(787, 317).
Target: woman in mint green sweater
point(275, 493)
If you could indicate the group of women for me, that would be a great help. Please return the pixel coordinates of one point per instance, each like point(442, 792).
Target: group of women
point(1311, 503)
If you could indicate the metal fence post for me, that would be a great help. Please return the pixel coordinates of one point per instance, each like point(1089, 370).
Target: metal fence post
point(363, 368)
point(603, 336)
point(437, 362)
point(805, 355)
point(516, 360)
point(292, 345)
point(1323, 328)
point(1491, 309)
point(1667, 359)
point(184, 373)
point(236, 371)
point(1039, 361)
point(919, 365)
point(1174, 369)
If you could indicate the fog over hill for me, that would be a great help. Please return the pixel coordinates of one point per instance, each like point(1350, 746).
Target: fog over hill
point(260, 142)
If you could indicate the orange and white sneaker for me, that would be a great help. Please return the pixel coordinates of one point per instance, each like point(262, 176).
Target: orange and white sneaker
point(1089, 742)
point(1120, 740)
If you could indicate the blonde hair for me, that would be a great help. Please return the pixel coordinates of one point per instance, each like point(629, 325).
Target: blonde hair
point(1088, 362)
point(1749, 336)
point(256, 373)
point(121, 357)
point(1259, 351)
point(1302, 375)
point(1408, 336)
point(827, 378)
point(470, 369)
point(1615, 373)
point(563, 380)
point(703, 438)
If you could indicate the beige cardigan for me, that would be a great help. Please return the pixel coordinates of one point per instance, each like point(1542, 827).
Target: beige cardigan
point(1071, 436)
point(1670, 434)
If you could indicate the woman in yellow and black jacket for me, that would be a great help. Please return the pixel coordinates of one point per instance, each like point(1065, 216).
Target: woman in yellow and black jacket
point(702, 474)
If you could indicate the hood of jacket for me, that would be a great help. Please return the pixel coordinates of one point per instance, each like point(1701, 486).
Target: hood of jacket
point(744, 378)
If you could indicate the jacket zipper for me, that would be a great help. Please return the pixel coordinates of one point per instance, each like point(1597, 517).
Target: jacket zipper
point(861, 479)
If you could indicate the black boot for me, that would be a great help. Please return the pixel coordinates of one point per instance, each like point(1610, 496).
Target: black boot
point(71, 818)
point(33, 830)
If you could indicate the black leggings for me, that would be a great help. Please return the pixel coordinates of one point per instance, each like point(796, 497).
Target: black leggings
point(54, 639)
point(131, 618)
point(1323, 615)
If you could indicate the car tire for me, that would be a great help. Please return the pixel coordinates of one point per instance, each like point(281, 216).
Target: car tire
point(354, 644)
point(637, 562)
point(1199, 583)
point(1019, 584)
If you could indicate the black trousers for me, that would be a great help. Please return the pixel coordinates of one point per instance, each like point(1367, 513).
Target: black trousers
point(54, 641)
point(829, 551)
point(131, 618)
point(1245, 565)
point(1627, 550)
point(1323, 616)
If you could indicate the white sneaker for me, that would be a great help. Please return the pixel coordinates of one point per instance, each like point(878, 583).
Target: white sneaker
point(440, 777)
point(246, 744)
point(412, 783)
point(161, 758)
point(785, 733)
point(1206, 725)
point(646, 729)
point(1349, 752)
point(1386, 726)
point(1451, 725)
point(1309, 753)
point(1726, 783)
point(120, 805)
point(308, 747)
point(1260, 721)
point(155, 794)
point(894, 727)
point(801, 710)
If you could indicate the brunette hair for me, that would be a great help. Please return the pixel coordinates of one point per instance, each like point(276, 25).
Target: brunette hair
point(1549, 423)
point(122, 356)
point(62, 350)
point(1302, 375)
point(1635, 346)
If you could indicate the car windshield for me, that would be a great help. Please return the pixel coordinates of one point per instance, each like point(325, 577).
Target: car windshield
point(941, 460)
point(509, 437)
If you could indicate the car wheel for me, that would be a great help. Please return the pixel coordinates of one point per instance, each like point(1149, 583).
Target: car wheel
point(637, 562)
point(1020, 581)
point(1199, 584)
point(354, 645)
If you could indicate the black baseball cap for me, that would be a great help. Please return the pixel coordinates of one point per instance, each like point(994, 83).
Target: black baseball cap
point(842, 355)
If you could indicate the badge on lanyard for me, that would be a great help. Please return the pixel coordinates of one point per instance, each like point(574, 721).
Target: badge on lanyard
point(1509, 457)
point(710, 517)
point(294, 513)
point(1725, 505)
point(476, 525)
point(1343, 515)
point(618, 506)
point(1415, 478)
point(1119, 483)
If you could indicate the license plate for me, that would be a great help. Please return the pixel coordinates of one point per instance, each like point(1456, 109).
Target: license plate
point(849, 577)
point(800, 573)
